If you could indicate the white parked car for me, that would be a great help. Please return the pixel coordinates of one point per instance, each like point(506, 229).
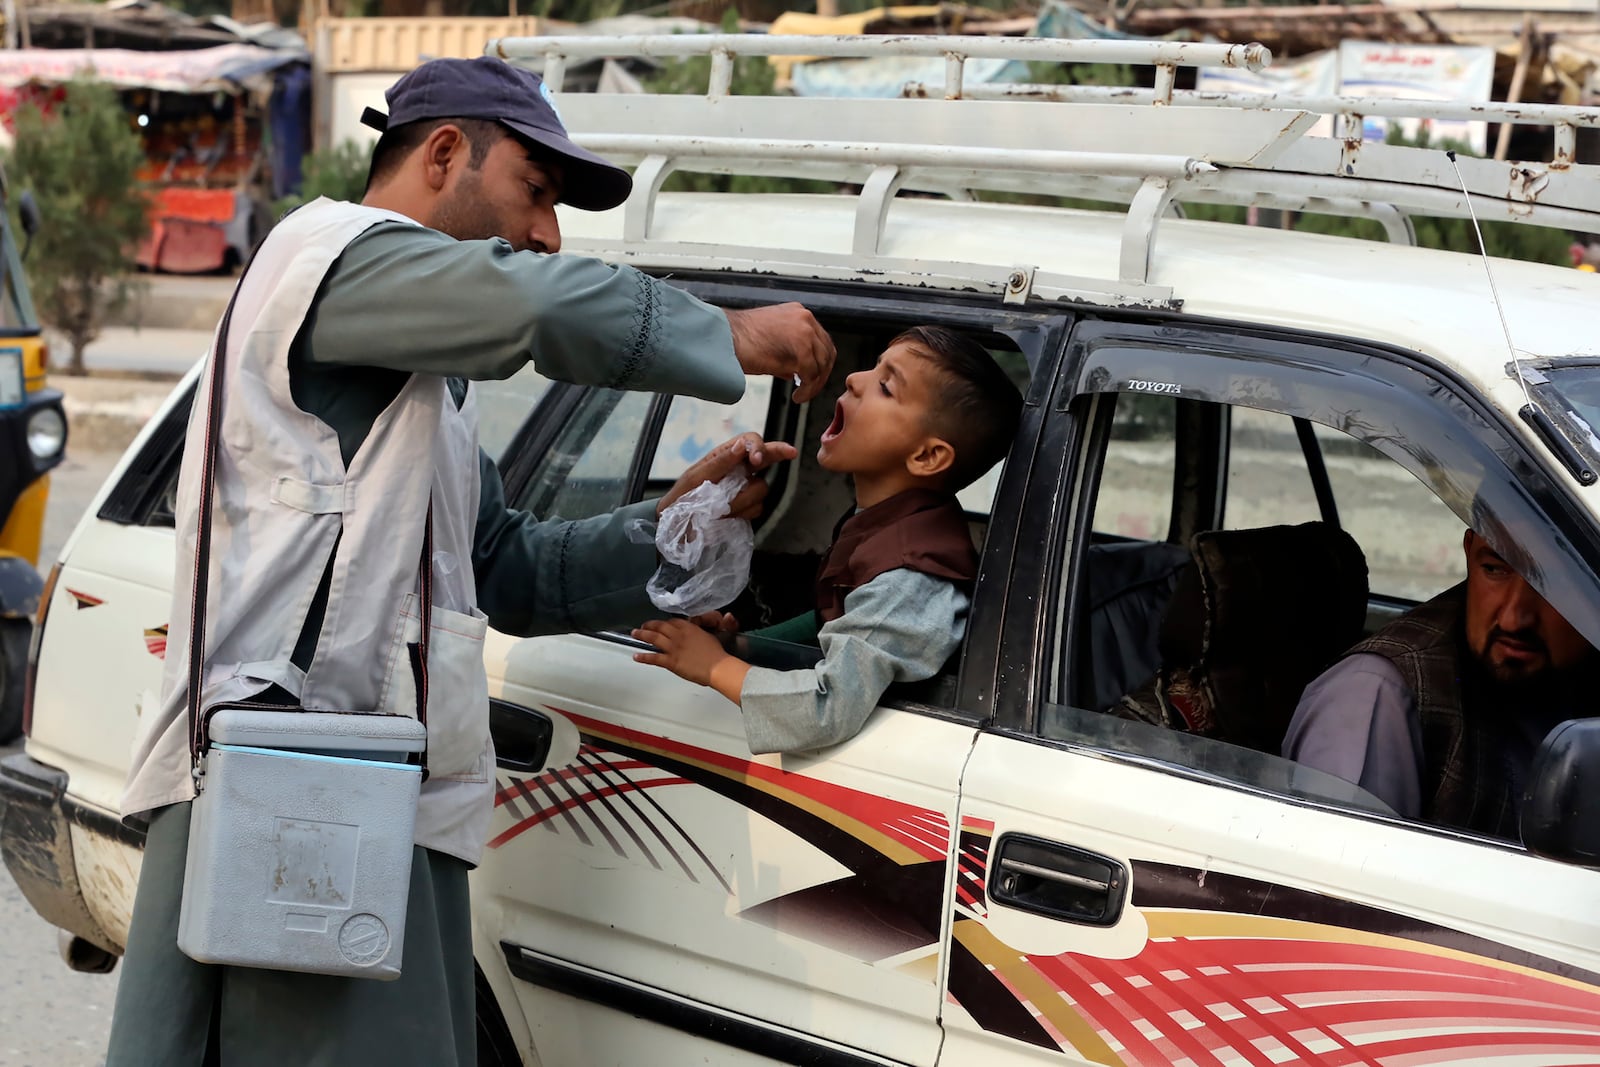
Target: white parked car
point(997, 870)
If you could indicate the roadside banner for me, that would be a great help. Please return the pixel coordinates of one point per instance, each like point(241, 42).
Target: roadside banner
point(1313, 75)
point(1419, 72)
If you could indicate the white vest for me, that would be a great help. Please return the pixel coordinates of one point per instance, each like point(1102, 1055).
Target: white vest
point(285, 504)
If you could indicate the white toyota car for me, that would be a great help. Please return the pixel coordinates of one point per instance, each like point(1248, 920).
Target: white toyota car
point(1000, 869)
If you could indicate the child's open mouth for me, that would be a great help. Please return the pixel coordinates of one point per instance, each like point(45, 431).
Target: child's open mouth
point(836, 427)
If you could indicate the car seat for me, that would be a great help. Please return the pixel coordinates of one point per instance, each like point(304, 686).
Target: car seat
point(1128, 586)
point(1255, 616)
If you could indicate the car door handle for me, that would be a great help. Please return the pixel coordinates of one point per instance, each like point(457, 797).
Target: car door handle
point(1098, 885)
point(521, 736)
point(1057, 881)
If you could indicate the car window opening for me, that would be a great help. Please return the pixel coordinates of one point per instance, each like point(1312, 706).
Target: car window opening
point(1207, 606)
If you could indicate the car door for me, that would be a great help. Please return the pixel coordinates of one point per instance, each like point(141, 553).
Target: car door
point(661, 894)
point(1155, 897)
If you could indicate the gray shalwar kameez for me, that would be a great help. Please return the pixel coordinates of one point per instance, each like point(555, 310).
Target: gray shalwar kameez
point(404, 300)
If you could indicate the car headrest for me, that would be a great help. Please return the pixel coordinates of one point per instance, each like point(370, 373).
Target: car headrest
point(1257, 615)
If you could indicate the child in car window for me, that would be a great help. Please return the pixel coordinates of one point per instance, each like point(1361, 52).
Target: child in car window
point(893, 589)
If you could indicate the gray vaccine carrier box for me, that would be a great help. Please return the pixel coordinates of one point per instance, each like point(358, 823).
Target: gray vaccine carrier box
point(300, 842)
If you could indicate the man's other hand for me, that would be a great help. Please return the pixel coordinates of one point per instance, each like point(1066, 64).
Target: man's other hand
point(747, 449)
point(783, 340)
point(717, 622)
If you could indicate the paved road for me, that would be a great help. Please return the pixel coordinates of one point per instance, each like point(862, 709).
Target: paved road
point(50, 1016)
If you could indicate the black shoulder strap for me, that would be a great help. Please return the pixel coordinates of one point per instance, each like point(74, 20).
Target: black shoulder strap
point(202, 553)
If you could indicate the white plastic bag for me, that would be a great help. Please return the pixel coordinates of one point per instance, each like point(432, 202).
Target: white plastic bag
point(705, 554)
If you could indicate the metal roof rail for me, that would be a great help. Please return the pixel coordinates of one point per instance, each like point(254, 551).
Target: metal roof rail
point(1213, 147)
point(1165, 56)
point(1563, 120)
point(1552, 194)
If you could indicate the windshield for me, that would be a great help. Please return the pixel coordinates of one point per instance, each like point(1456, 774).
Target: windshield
point(1577, 385)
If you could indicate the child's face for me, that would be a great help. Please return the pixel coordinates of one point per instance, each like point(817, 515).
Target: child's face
point(880, 423)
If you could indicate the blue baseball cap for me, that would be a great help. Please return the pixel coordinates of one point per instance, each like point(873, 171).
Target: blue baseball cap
point(489, 88)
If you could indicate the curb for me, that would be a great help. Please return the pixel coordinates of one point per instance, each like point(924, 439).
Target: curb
point(174, 302)
point(106, 411)
point(110, 375)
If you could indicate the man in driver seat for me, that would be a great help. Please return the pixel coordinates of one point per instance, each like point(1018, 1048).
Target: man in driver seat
point(1439, 713)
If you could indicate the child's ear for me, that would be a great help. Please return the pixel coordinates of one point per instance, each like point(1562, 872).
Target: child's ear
point(932, 458)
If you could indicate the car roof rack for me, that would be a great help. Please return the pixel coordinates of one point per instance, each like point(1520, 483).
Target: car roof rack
point(1150, 150)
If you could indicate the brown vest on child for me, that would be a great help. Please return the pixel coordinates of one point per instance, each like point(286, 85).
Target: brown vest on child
point(919, 529)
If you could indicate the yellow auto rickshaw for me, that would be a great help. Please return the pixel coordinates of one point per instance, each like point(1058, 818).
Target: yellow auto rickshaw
point(33, 437)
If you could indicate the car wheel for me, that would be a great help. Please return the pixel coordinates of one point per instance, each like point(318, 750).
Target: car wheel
point(496, 1047)
point(14, 636)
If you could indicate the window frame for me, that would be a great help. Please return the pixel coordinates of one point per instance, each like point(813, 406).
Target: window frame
point(1065, 507)
point(1316, 468)
point(1041, 335)
point(143, 485)
point(144, 482)
point(782, 417)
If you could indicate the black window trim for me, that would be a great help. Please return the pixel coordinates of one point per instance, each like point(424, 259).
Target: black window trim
point(1029, 645)
point(644, 450)
point(781, 419)
point(1315, 466)
point(144, 482)
point(519, 462)
point(1321, 485)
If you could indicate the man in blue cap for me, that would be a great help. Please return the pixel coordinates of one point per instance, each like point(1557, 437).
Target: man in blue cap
point(347, 429)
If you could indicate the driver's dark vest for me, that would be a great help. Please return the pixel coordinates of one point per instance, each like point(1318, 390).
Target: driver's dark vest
point(919, 529)
point(1463, 781)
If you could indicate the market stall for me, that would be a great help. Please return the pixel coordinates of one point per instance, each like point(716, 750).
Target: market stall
point(207, 120)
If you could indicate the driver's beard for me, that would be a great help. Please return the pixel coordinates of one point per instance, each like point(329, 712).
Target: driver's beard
point(466, 214)
point(1511, 684)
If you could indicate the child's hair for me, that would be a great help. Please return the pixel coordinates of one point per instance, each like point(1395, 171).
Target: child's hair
point(977, 407)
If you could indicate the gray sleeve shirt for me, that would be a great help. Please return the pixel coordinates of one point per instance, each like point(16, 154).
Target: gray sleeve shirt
point(900, 627)
point(411, 299)
point(1359, 721)
point(404, 299)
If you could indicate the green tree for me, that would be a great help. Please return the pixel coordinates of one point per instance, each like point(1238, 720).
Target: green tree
point(81, 163)
point(337, 173)
point(1081, 74)
point(752, 76)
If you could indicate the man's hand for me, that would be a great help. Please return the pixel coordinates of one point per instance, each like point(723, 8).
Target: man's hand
point(717, 622)
point(748, 449)
point(783, 340)
point(683, 648)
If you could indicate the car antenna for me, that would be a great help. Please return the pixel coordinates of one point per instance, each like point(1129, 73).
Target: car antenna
point(1532, 413)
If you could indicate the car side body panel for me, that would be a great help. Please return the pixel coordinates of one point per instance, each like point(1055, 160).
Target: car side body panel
point(665, 855)
point(1263, 930)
